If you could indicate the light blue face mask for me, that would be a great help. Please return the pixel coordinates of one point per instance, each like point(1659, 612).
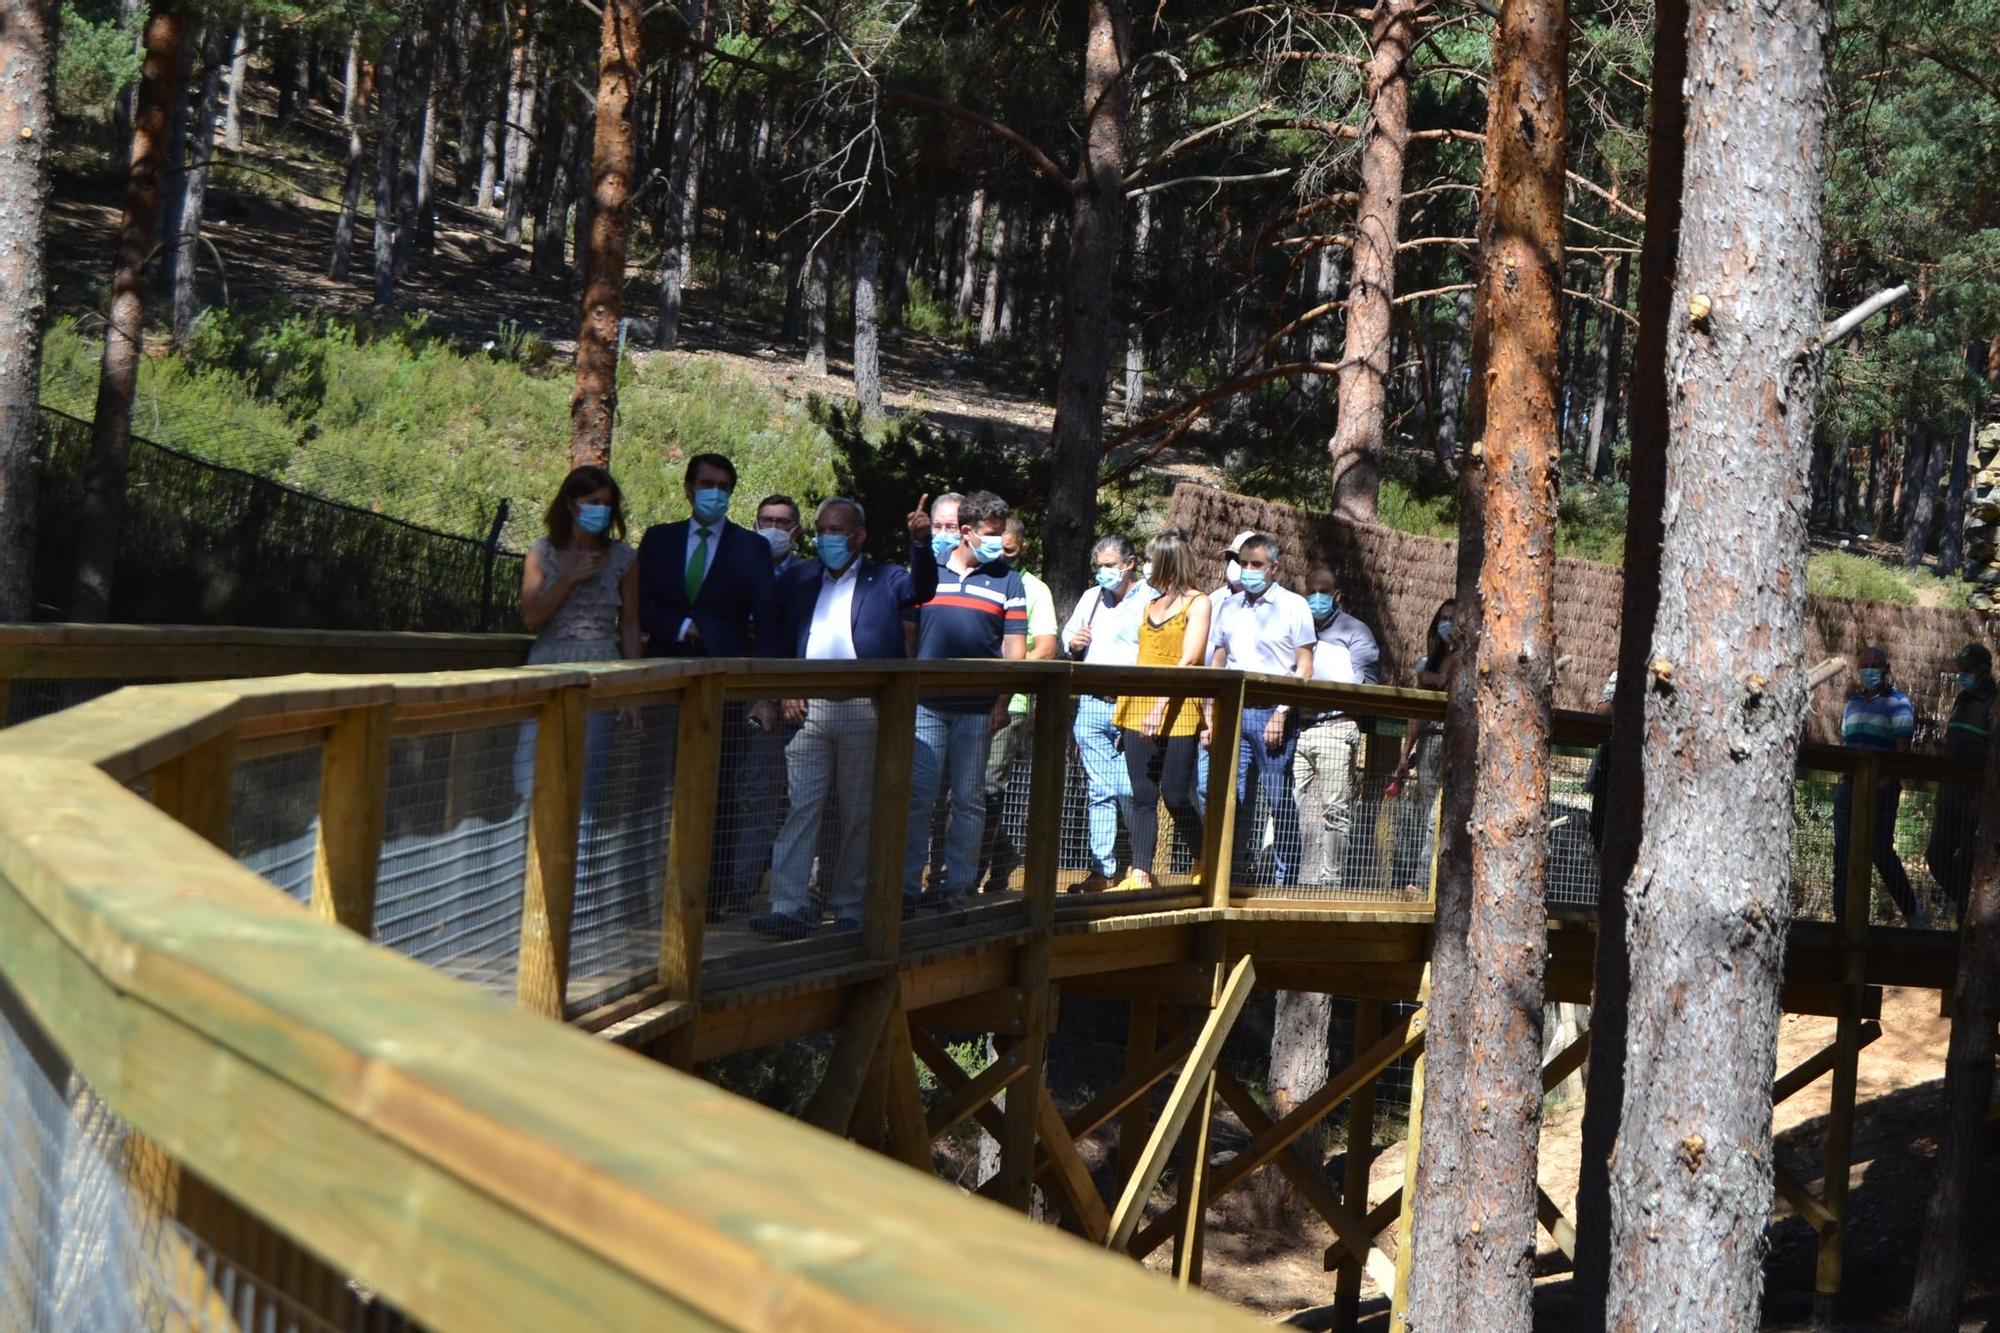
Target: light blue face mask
point(1109, 579)
point(1320, 604)
point(943, 543)
point(1253, 581)
point(1966, 680)
point(593, 519)
point(1871, 677)
point(833, 550)
point(990, 549)
point(710, 503)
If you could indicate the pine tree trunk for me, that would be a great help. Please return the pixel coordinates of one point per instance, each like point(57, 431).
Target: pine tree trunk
point(489, 164)
point(1451, 375)
point(1968, 1083)
point(124, 333)
point(1625, 785)
point(1691, 1179)
point(683, 184)
point(1842, 506)
point(121, 109)
point(521, 82)
point(354, 102)
point(966, 284)
point(989, 305)
point(1362, 384)
point(816, 302)
point(795, 289)
point(577, 193)
point(423, 223)
point(28, 33)
point(285, 73)
point(594, 408)
point(551, 201)
point(1929, 446)
point(1614, 406)
point(173, 170)
point(1473, 1239)
point(1607, 353)
point(1301, 1057)
point(386, 173)
point(1096, 231)
point(867, 357)
point(239, 65)
point(1951, 543)
point(193, 187)
point(1138, 282)
point(1316, 340)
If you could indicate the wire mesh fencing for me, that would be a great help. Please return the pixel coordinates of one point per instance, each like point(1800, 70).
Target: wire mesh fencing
point(274, 817)
point(628, 798)
point(454, 851)
point(1921, 861)
point(27, 700)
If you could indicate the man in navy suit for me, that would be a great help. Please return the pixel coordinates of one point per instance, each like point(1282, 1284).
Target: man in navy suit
point(706, 590)
point(843, 607)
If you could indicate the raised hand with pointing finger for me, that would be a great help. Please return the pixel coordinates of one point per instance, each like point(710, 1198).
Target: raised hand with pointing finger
point(920, 520)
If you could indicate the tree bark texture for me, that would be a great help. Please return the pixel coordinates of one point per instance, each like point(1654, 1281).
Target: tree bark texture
point(1929, 445)
point(817, 296)
point(193, 188)
point(360, 86)
point(1474, 1225)
point(1725, 694)
point(1968, 1082)
point(1451, 376)
point(1951, 542)
point(690, 111)
point(27, 120)
point(239, 66)
point(867, 354)
point(1625, 787)
point(1301, 1056)
point(1137, 282)
point(1096, 231)
point(989, 305)
point(593, 409)
point(1355, 451)
point(385, 172)
point(520, 123)
point(124, 333)
point(966, 282)
point(1608, 326)
point(423, 217)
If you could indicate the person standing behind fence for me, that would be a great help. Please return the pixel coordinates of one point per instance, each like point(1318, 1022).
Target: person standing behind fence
point(1265, 628)
point(1160, 735)
point(1419, 772)
point(980, 611)
point(1232, 582)
point(760, 799)
point(1968, 734)
point(580, 583)
point(1878, 717)
point(999, 858)
point(1103, 630)
point(706, 590)
point(1344, 652)
point(844, 607)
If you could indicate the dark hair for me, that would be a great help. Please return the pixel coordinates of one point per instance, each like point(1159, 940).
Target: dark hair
point(981, 507)
point(561, 522)
point(1431, 635)
point(1267, 544)
point(785, 500)
point(699, 461)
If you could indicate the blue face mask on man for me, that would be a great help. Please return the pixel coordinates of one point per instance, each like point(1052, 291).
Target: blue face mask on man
point(943, 543)
point(593, 519)
point(833, 550)
point(990, 549)
point(1967, 680)
point(1320, 604)
point(1109, 578)
point(1254, 581)
point(1871, 678)
point(710, 504)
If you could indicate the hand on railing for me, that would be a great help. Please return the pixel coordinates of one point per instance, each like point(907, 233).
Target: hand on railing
point(998, 717)
point(795, 711)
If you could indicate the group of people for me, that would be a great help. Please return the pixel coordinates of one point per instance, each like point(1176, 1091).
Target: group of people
point(703, 586)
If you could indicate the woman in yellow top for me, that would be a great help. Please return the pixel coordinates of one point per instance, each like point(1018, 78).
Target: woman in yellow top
point(1160, 735)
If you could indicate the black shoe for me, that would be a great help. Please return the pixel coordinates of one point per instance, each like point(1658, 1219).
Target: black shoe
point(940, 903)
point(847, 923)
point(780, 926)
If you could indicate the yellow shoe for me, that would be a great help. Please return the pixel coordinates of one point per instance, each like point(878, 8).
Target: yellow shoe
point(1132, 884)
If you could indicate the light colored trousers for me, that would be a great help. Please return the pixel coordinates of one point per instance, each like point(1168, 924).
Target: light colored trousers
point(1107, 782)
point(1323, 780)
point(834, 751)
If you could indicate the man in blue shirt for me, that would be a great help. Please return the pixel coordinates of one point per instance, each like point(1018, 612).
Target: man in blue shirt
point(1878, 717)
point(980, 610)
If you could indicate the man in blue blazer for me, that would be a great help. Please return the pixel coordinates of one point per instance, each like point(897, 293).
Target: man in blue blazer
point(705, 585)
point(843, 607)
point(706, 590)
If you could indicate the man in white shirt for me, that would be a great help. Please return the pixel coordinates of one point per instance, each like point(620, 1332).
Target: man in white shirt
point(1265, 628)
point(1345, 652)
point(1231, 583)
point(1103, 629)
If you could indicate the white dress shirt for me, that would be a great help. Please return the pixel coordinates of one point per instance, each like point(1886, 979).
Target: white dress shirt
point(1114, 630)
point(831, 638)
point(1264, 634)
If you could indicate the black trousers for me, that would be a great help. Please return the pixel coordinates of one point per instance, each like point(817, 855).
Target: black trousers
point(1161, 768)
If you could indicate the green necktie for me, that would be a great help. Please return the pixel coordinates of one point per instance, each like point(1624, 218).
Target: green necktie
point(697, 566)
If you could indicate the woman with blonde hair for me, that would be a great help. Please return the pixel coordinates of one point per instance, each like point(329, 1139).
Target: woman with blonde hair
point(1160, 736)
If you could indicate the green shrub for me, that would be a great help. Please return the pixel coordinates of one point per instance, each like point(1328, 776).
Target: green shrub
point(95, 61)
point(930, 313)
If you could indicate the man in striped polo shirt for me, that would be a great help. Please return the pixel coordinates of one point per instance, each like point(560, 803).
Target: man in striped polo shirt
point(980, 609)
point(1878, 717)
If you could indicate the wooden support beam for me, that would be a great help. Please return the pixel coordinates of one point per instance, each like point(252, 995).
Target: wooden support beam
point(555, 812)
point(1354, 1173)
point(1560, 1230)
point(690, 841)
point(1857, 893)
point(1130, 1090)
point(1189, 1215)
point(353, 797)
point(195, 787)
point(969, 1094)
point(909, 1135)
point(1072, 1176)
point(1413, 1141)
point(1193, 1083)
point(1135, 1116)
point(1219, 827)
point(1794, 1192)
point(888, 817)
point(1816, 1066)
point(1000, 1010)
point(832, 1105)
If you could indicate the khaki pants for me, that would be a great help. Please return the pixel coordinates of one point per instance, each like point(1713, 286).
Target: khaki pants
point(1323, 781)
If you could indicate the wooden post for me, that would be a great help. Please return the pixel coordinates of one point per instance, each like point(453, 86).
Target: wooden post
point(889, 817)
point(353, 792)
point(1857, 893)
point(195, 787)
point(1191, 1207)
point(1031, 960)
point(1142, 1030)
point(1399, 1317)
point(683, 919)
point(1219, 828)
point(1354, 1174)
point(555, 811)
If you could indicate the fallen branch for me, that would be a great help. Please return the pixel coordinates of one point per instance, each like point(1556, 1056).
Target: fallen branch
point(1843, 328)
